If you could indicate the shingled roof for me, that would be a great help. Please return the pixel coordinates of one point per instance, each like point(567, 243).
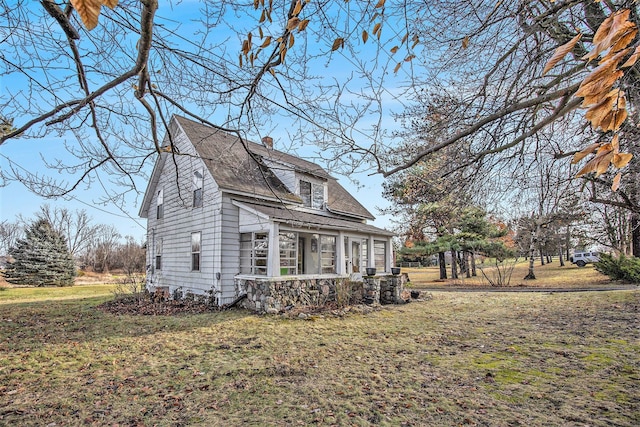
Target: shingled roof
point(239, 166)
point(313, 221)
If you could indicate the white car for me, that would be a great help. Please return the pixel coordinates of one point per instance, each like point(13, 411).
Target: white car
point(583, 258)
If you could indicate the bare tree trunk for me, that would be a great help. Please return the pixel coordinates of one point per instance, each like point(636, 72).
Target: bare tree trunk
point(635, 234)
point(541, 255)
point(560, 256)
point(473, 264)
point(465, 262)
point(454, 264)
point(442, 263)
point(532, 251)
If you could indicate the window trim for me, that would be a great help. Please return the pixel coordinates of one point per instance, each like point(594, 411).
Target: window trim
point(160, 204)
point(292, 261)
point(310, 200)
point(158, 254)
point(251, 253)
point(334, 254)
point(196, 250)
point(376, 254)
point(198, 186)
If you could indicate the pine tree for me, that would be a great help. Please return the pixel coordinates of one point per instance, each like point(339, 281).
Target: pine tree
point(42, 258)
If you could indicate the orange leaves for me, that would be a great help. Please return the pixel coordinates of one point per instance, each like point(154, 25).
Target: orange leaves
point(600, 163)
point(466, 41)
point(377, 30)
point(560, 53)
point(266, 43)
point(606, 104)
point(614, 33)
point(337, 44)
point(292, 24)
point(303, 25)
point(605, 154)
point(297, 8)
point(282, 44)
point(610, 112)
point(621, 160)
point(89, 10)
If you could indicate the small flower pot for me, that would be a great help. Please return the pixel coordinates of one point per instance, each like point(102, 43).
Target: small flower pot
point(395, 271)
point(371, 271)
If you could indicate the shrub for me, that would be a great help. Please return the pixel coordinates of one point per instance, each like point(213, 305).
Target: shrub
point(131, 286)
point(621, 268)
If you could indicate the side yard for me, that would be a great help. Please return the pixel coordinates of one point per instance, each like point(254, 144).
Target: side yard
point(550, 275)
point(498, 359)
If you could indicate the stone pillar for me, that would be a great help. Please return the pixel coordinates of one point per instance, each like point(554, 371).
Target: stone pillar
point(391, 288)
point(371, 285)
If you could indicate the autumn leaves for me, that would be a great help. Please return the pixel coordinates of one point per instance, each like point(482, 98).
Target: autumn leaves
point(89, 10)
point(606, 105)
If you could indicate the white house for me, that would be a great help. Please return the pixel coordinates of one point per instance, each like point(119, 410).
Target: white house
point(228, 217)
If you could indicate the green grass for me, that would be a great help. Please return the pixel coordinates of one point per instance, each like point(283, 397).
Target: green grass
point(456, 359)
point(47, 293)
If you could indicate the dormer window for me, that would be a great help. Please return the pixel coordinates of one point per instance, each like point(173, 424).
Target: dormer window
point(312, 194)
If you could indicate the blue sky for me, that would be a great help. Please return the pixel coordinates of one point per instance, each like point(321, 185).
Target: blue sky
point(16, 200)
point(32, 154)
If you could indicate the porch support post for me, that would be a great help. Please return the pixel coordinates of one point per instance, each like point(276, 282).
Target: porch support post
point(390, 262)
point(340, 254)
point(370, 256)
point(273, 263)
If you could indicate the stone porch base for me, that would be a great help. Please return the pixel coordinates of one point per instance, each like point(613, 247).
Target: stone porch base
point(272, 295)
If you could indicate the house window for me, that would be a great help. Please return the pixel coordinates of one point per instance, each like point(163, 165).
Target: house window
point(195, 250)
point(254, 251)
point(380, 254)
point(198, 183)
point(365, 253)
point(312, 194)
point(305, 193)
point(159, 254)
point(160, 204)
point(318, 196)
point(327, 254)
point(288, 253)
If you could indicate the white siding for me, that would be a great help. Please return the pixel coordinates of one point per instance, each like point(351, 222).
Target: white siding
point(230, 249)
point(180, 220)
point(253, 222)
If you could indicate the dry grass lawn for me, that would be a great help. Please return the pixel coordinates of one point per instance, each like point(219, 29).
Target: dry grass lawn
point(547, 276)
point(482, 358)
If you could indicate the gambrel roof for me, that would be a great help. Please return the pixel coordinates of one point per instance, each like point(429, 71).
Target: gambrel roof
point(244, 167)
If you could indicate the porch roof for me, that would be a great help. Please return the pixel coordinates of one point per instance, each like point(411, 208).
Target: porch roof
point(301, 219)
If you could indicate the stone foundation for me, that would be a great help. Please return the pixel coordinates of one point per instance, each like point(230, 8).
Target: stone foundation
point(272, 295)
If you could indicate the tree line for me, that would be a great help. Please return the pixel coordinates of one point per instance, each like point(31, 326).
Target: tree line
point(50, 248)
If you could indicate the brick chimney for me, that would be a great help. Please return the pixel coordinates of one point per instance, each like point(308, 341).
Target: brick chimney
point(267, 141)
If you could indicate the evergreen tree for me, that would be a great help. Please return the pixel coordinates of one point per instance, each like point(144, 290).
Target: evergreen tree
point(42, 258)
